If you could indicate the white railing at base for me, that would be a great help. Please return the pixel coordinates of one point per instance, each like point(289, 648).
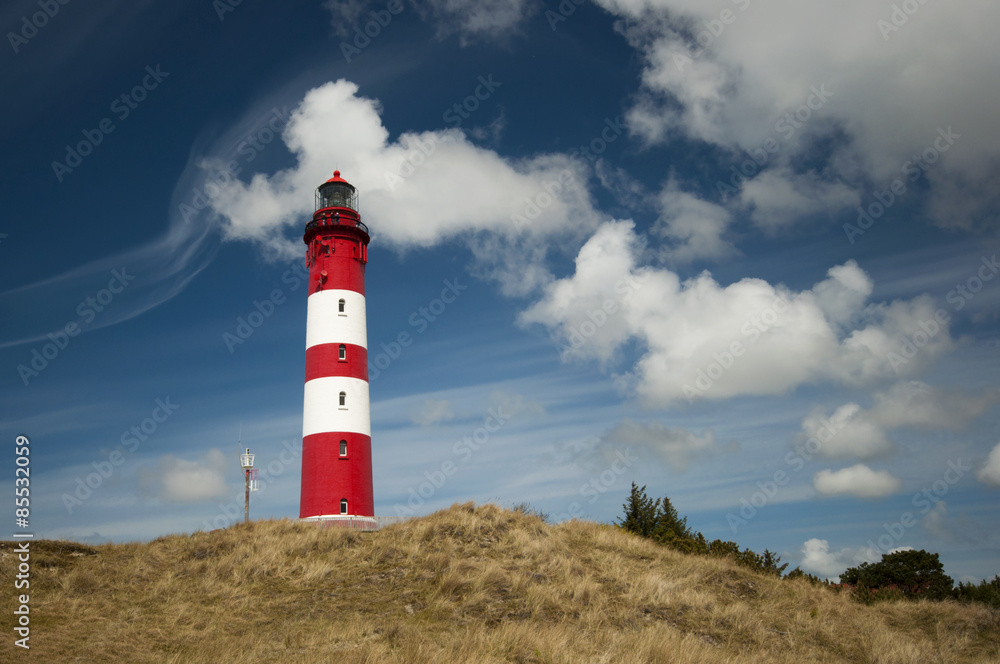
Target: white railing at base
point(358, 522)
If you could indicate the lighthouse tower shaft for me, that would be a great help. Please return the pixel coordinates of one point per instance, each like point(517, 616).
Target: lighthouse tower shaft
point(336, 427)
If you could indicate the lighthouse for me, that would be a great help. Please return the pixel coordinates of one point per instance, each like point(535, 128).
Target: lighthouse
point(336, 422)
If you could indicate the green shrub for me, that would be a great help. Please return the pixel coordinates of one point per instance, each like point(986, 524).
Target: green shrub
point(658, 520)
point(987, 592)
point(909, 574)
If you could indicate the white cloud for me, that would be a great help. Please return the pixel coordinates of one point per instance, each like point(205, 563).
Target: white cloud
point(689, 329)
point(846, 433)
point(859, 481)
point(778, 198)
point(818, 559)
point(345, 14)
point(176, 480)
point(888, 93)
point(677, 447)
point(918, 405)
point(433, 411)
point(855, 432)
point(695, 227)
point(989, 473)
point(604, 267)
point(473, 19)
point(515, 204)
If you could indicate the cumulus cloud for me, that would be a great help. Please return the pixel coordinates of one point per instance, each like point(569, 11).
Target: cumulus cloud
point(674, 446)
point(705, 340)
point(846, 433)
point(605, 273)
point(884, 95)
point(516, 203)
point(854, 432)
point(859, 481)
point(989, 472)
point(694, 227)
point(176, 480)
point(778, 198)
point(819, 560)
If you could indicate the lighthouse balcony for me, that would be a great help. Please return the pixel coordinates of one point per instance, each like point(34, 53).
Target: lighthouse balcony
point(331, 217)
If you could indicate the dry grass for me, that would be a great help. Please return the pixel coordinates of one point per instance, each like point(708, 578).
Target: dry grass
point(468, 584)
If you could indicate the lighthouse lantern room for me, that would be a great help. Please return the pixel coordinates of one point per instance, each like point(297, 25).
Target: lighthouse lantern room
point(336, 426)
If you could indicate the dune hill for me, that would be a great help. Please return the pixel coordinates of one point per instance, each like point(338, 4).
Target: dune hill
point(467, 584)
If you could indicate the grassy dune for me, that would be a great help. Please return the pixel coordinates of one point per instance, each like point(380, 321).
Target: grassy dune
point(468, 584)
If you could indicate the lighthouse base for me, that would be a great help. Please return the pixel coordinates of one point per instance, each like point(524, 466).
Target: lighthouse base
point(330, 478)
point(365, 523)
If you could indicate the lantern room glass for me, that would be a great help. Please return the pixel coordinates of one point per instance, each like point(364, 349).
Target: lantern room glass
point(336, 194)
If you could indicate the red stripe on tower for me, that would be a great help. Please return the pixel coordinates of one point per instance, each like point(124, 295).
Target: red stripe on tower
point(336, 417)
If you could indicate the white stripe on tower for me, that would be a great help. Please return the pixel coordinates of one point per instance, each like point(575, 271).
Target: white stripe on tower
point(325, 324)
point(323, 414)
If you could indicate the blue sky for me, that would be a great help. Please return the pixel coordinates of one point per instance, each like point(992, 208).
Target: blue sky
point(741, 254)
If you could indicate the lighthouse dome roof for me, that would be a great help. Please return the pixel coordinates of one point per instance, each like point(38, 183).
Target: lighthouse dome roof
point(336, 178)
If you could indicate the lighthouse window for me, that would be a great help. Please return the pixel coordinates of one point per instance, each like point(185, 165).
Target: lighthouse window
point(343, 448)
point(343, 398)
point(341, 306)
point(343, 505)
point(343, 352)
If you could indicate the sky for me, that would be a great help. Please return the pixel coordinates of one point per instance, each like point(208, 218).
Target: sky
point(740, 253)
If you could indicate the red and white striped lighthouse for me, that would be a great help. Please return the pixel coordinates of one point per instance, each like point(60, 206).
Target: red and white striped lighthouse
point(336, 423)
